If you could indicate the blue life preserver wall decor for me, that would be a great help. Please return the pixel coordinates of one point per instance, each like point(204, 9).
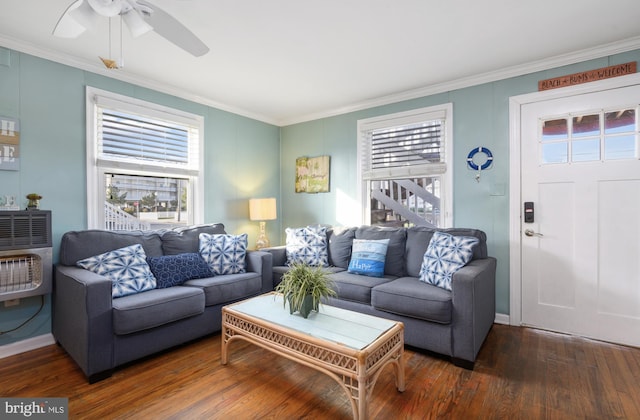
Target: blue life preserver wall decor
point(474, 166)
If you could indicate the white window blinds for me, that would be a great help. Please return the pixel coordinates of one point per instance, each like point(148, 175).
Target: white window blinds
point(405, 147)
point(147, 138)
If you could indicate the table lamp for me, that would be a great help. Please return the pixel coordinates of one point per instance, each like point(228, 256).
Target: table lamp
point(261, 209)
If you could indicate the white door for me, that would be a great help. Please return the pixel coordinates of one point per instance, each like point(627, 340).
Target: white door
point(580, 257)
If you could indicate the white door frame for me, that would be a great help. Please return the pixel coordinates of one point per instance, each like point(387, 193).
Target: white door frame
point(515, 199)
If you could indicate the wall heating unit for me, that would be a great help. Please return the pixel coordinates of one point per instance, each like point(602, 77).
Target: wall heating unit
point(25, 254)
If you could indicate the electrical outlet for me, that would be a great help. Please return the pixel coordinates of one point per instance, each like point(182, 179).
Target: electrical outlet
point(12, 302)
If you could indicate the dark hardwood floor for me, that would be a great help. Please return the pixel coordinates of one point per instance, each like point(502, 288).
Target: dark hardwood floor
point(520, 374)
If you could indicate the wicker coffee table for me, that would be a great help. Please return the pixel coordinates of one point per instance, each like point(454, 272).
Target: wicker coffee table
point(350, 347)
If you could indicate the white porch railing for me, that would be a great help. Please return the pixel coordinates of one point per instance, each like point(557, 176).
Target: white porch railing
point(399, 201)
point(116, 219)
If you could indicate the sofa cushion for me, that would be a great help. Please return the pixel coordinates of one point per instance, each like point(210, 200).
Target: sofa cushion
point(356, 288)
point(339, 245)
point(182, 240)
point(126, 267)
point(78, 245)
point(368, 257)
point(418, 238)
point(228, 288)
point(445, 255)
point(225, 254)
point(155, 307)
point(307, 245)
point(394, 262)
point(173, 270)
point(410, 297)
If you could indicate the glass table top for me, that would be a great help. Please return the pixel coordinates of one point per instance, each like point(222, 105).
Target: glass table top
point(348, 328)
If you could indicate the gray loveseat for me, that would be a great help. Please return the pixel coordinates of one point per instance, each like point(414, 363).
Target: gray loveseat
point(453, 323)
point(100, 332)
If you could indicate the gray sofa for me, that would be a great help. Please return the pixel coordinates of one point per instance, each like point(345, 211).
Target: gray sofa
point(100, 332)
point(453, 323)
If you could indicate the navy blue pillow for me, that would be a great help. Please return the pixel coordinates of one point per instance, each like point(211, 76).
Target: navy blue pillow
point(173, 270)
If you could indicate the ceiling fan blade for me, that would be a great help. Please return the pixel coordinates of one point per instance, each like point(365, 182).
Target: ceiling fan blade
point(67, 26)
point(173, 31)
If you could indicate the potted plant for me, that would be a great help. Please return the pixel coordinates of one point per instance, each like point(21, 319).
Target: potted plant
point(304, 286)
point(34, 201)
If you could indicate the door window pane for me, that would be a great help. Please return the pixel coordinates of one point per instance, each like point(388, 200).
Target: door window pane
point(586, 125)
point(602, 136)
point(585, 150)
point(554, 152)
point(620, 147)
point(623, 121)
point(555, 130)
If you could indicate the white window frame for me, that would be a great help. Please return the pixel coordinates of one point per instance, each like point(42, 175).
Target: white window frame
point(444, 111)
point(97, 168)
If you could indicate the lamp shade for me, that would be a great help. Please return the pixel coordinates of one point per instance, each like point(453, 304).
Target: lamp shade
point(136, 23)
point(262, 209)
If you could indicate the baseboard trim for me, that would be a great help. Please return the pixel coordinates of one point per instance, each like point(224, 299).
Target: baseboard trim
point(502, 319)
point(47, 339)
point(26, 345)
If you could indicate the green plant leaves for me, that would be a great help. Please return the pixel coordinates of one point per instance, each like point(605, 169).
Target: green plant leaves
point(302, 280)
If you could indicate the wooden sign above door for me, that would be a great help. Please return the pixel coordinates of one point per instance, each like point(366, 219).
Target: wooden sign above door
point(588, 76)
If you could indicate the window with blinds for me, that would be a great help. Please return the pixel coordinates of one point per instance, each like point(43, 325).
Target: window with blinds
point(129, 136)
point(404, 146)
point(415, 144)
point(144, 165)
point(404, 172)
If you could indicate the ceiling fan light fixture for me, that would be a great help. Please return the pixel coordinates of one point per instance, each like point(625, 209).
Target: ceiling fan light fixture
point(107, 8)
point(135, 23)
point(85, 16)
point(68, 27)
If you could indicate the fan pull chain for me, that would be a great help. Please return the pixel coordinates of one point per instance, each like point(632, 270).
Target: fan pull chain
point(108, 62)
point(121, 63)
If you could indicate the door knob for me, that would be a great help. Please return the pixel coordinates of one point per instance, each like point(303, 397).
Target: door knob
point(530, 232)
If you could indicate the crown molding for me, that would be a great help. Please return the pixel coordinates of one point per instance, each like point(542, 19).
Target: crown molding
point(123, 76)
point(488, 77)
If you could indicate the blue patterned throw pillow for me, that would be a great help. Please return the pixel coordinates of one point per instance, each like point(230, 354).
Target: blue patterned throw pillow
point(368, 256)
point(225, 254)
point(173, 270)
point(445, 255)
point(126, 267)
point(308, 246)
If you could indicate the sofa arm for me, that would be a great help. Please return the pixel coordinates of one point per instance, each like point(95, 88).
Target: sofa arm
point(82, 318)
point(474, 307)
point(261, 262)
point(279, 254)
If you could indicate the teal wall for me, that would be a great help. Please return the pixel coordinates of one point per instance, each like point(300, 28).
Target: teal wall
point(480, 118)
point(241, 158)
point(246, 158)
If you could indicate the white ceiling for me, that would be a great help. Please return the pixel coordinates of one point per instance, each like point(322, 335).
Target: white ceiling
point(285, 61)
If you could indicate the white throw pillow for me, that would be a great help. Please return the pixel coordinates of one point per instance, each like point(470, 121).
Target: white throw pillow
point(126, 267)
point(308, 246)
point(445, 255)
point(225, 254)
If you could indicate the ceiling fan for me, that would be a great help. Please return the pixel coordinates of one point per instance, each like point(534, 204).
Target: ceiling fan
point(140, 17)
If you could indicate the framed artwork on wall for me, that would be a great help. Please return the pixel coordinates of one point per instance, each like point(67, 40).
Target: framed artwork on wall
point(312, 174)
point(9, 144)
